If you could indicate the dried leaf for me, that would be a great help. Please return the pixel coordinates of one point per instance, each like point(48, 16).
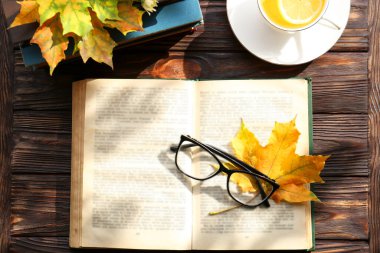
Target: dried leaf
point(51, 41)
point(279, 161)
point(301, 170)
point(97, 44)
point(28, 13)
point(84, 22)
point(105, 9)
point(281, 145)
point(130, 18)
point(75, 16)
point(246, 145)
point(294, 193)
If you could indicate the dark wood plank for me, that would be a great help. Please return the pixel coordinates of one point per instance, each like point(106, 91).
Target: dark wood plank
point(340, 96)
point(343, 90)
point(331, 67)
point(6, 94)
point(374, 123)
point(344, 137)
point(41, 153)
point(40, 244)
point(40, 207)
point(42, 121)
point(340, 222)
point(341, 246)
point(336, 195)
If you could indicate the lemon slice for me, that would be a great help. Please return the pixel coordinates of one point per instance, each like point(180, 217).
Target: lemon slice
point(300, 11)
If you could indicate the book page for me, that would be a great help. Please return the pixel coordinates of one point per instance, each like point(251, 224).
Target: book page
point(133, 195)
point(222, 106)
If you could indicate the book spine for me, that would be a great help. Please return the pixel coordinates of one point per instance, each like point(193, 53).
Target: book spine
point(78, 115)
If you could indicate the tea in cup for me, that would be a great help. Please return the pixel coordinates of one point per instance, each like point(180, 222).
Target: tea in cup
point(292, 15)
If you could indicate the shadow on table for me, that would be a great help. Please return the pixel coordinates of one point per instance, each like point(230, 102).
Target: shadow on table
point(136, 61)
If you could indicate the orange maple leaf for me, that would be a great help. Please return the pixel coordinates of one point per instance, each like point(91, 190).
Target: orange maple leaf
point(130, 18)
point(97, 44)
point(28, 13)
point(279, 161)
point(51, 41)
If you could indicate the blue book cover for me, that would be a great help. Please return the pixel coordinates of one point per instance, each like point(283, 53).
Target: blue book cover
point(170, 17)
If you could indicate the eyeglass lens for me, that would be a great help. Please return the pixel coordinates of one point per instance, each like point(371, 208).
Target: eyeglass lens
point(198, 163)
point(248, 189)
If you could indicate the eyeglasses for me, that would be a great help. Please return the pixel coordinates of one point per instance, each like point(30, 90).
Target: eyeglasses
point(200, 161)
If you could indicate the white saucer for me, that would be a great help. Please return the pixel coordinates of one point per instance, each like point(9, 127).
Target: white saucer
point(280, 47)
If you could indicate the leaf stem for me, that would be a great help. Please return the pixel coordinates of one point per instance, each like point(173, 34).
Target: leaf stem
point(224, 210)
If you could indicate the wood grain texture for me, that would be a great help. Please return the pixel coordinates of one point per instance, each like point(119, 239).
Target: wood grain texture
point(347, 217)
point(344, 137)
point(6, 94)
point(374, 123)
point(338, 194)
point(343, 90)
point(41, 244)
point(41, 153)
point(329, 246)
point(40, 207)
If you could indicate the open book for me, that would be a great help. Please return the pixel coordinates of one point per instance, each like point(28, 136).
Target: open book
point(126, 191)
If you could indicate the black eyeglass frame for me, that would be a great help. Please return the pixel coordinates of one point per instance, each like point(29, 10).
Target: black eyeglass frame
point(213, 151)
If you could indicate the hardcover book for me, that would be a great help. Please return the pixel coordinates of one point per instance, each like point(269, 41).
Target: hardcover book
point(171, 17)
point(126, 191)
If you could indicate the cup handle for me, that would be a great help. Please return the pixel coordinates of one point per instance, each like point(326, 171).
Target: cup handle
point(332, 23)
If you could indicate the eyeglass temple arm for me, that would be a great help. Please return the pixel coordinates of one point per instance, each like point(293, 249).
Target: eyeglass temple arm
point(174, 148)
point(236, 160)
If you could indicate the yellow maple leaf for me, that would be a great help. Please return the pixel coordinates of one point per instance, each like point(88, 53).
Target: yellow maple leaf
point(246, 145)
point(28, 13)
point(279, 161)
point(294, 193)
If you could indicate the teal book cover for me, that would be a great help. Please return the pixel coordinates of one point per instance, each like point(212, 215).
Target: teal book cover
point(169, 18)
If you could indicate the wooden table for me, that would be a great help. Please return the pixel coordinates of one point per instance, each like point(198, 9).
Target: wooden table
point(35, 125)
